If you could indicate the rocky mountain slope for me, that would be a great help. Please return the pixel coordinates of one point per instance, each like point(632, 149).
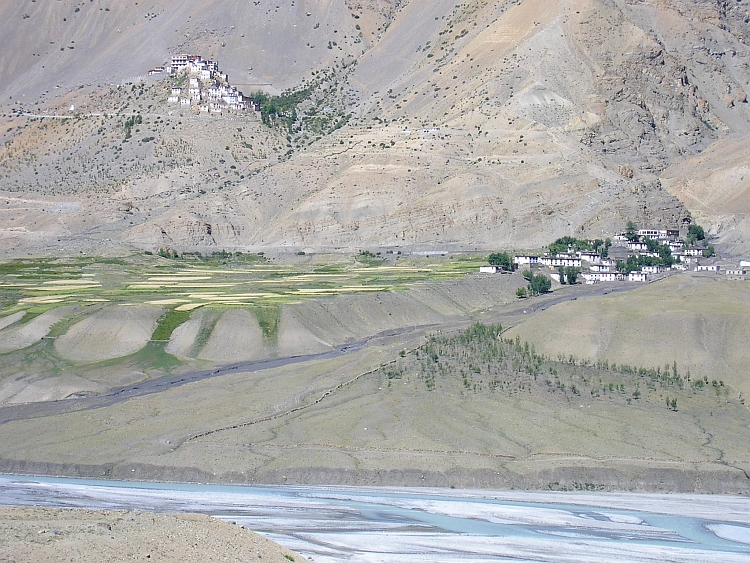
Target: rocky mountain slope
point(429, 124)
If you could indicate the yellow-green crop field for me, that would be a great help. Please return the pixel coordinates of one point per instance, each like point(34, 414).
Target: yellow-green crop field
point(187, 284)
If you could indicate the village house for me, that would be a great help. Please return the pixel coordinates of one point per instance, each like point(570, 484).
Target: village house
point(523, 260)
point(601, 267)
point(651, 233)
point(693, 251)
point(179, 62)
point(156, 70)
point(708, 268)
point(679, 267)
point(597, 277)
point(638, 277)
point(736, 272)
point(660, 234)
point(591, 257)
point(560, 260)
point(675, 246)
point(652, 269)
point(687, 259)
point(185, 101)
point(489, 269)
point(744, 263)
point(637, 246)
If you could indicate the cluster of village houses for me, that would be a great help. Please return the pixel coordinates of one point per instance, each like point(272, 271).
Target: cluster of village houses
point(208, 89)
point(595, 269)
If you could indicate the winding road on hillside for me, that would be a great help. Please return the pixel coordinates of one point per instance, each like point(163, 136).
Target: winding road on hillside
point(40, 409)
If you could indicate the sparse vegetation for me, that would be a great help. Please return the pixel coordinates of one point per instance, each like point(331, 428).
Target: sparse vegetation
point(483, 362)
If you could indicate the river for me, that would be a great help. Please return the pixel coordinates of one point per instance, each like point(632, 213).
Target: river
point(389, 525)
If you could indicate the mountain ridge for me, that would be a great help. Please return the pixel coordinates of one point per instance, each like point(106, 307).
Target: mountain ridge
point(470, 125)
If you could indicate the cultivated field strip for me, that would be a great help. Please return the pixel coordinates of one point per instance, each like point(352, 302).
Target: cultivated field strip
point(31, 285)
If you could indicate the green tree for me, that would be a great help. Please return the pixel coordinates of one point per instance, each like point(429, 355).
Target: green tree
point(631, 232)
point(540, 284)
point(502, 259)
point(709, 251)
point(561, 273)
point(695, 233)
point(571, 272)
point(674, 404)
point(652, 244)
point(527, 275)
point(521, 293)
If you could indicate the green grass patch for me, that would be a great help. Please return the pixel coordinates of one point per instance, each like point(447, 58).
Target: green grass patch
point(269, 319)
point(168, 322)
point(208, 323)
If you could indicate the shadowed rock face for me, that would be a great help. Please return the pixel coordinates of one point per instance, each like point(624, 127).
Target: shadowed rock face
point(469, 125)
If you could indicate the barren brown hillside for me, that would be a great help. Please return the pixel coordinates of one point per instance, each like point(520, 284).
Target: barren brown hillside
point(449, 125)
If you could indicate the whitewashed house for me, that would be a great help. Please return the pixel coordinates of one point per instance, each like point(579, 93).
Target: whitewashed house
point(711, 268)
point(675, 246)
point(185, 101)
point(489, 269)
point(679, 266)
point(591, 257)
point(638, 277)
point(597, 277)
point(637, 246)
point(525, 260)
point(560, 260)
point(652, 269)
point(652, 233)
point(230, 98)
point(736, 272)
point(693, 252)
point(179, 62)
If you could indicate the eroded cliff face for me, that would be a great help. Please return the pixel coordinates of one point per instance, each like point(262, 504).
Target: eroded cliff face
point(466, 125)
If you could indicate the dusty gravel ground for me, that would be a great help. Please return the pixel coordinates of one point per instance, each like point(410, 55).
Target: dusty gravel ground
point(42, 535)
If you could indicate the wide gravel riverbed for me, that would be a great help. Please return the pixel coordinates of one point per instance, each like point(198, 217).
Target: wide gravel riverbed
point(329, 524)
